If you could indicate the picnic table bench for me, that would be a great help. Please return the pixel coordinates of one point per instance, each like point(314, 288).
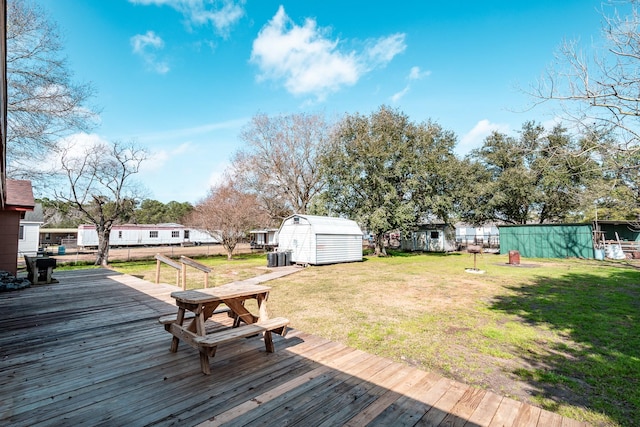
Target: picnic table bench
point(40, 269)
point(196, 306)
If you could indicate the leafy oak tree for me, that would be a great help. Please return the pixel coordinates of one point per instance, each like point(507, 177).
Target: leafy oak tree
point(155, 212)
point(389, 173)
point(539, 176)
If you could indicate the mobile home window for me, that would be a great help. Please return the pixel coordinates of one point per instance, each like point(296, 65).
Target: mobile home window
point(435, 235)
point(175, 233)
point(21, 232)
point(186, 234)
point(153, 234)
point(119, 234)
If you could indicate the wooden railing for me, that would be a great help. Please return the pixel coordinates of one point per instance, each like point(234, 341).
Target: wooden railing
point(166, 260)
point(186, 261)
point(181, 268)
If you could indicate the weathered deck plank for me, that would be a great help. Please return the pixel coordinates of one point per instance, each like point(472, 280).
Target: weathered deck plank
point(89, 351)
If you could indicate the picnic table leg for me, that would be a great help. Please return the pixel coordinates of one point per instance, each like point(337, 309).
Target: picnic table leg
point(179, 320)
point(240, 312)
point(268, 342)
point(262, 307)
point(204, 353)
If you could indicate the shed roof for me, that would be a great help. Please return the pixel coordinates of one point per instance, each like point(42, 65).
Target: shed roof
point(19, 195)
point(36, 215)
point(329, 225)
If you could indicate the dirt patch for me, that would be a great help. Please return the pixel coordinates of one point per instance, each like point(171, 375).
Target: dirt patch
point(521, 265)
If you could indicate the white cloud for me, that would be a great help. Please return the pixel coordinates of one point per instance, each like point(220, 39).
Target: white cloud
point(308, 62)
point(416, 74)
point(159, 158)
point(183, 133)
point(480, 131)
point(222, 15)
point(145, 45)
point(381, 51)
point(398, 95)
point(218, 176)
point(74, 146)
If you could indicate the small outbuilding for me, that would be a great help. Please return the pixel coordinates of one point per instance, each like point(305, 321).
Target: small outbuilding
point(315, 240)
point(29, 232)
point(432, 237)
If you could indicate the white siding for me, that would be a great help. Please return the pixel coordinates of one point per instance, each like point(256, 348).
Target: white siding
point(331, 249)
point(298, 239)
point(134, 235)
point(320, 240)
point(28, 245)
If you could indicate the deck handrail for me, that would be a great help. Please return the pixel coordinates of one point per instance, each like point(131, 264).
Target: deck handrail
point(166, 260)
point(186, 261)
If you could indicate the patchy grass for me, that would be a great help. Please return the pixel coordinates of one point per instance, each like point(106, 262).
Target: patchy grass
point(560, 334)
point(224, 271)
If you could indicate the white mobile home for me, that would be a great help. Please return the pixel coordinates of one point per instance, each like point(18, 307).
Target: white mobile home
point(145, 235)
point(320, 240)
point(264, 239)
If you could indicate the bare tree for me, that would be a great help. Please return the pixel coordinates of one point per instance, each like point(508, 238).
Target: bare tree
point(227, 214)
point(280, 162)
point(100, 186)
point(600, 89)
point(44, 104)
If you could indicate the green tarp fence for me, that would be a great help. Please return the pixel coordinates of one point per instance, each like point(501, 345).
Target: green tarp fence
point(548, 240)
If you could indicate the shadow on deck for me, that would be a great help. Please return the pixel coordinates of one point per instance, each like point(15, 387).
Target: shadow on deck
point(89, 351)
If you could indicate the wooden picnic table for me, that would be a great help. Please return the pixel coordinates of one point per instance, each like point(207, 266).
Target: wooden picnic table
point(196, 306)
point(40, 268)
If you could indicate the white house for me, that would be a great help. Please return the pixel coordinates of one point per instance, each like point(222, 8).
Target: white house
point(320, 240)
point(29, 232)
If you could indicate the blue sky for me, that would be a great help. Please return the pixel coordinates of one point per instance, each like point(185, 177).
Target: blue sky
point(183, 77)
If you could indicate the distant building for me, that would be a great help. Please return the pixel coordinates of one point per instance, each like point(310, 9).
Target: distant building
point(433, 237)
point(487, 235)
point(29, 232)
point(266, 238)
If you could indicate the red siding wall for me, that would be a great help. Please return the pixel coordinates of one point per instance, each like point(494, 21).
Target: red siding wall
point(9, 227)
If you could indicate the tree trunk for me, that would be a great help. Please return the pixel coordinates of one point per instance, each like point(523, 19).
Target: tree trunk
point(102, 257)
point(379, 242)
point(229, 245)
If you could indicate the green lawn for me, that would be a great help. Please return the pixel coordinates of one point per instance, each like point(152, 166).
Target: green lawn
point(560, 334)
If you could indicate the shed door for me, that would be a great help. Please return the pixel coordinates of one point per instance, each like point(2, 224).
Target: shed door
point(435, 240)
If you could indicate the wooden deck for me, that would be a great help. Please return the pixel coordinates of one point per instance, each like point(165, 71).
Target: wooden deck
point(89, 351)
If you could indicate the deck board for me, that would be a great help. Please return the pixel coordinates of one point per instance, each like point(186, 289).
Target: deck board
point(89, 351)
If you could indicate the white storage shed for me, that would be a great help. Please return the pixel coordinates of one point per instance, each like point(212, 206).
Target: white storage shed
point(320, 239)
